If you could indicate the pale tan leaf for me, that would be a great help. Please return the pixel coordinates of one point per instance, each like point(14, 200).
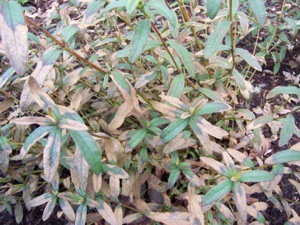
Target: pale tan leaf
point(178, 143)
point(195, 209)
point(106, 212)
point(40, 200)
point(239, 197)
point(114, 184)
point(167, 218)
point(67, 209)
point(296, 184)
point(5, 104)
point(216, 165)
point(18, 212)
point(175, 102)
point(79, 171)
point(164, 108)
point(97, 181)
point(141, 205)
point(131, 217)
point(123, 111)
point(228, 160)
point(110, 149)
point(119, 214)
point(72, 125)
point(28, 120)
point(40, 73)
point(225, 211)
point(80, 97)
point(14, 36)
point(214, 131)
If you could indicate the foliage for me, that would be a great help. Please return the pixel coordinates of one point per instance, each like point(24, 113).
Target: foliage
point(148, 101)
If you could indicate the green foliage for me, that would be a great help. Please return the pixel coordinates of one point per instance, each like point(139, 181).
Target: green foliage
point(149, 101)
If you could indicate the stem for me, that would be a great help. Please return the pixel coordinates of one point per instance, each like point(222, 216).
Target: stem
point(64, 46)
point(198, 43)
point(232, 34)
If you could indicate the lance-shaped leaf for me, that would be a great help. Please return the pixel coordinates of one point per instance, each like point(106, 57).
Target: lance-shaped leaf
point(40, 200)
point(43, 68)
point(290, 90)
point(212, 107)
point(214, 40)
point(51, 154)
point(207, 127)
point(106, 212)
point(79, 171)
point(136, 138)
point(81, 215)
point(177, 86)
point(173, 177)
point(241, 157)
point(217, 192)
point(164, 10)
point(249, 58)
point(216, 165)
point(239, 197)
point(115, 171)
point(131, 5)
point(145, 79)
point(36, 135)
point(89, 149)
point(91, 11)
point(49, 208)
point(139, 39)
point(287, 130)
point(259, 9)
point(256, 176)
point(5, 76)
point(28, 120)
point(213, 8)
point(173, 130)
point(283, 157)
point(185, 56)
point(13, 32)
point(67, 209)
point(168, 218)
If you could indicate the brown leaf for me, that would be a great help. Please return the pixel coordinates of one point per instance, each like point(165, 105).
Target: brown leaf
point(167, 218)
point(123, 111)
point(5, 104)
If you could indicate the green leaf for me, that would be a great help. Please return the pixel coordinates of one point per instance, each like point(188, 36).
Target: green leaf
point(213, 95)
point(289, 155)
point(257, 176)
point(81, 215)
point(51, 154)
point(173, 177)
point(212, 107)
point(213, 8)
point(37, 134)
point(121, 81)
point(185, 56)
point(239, 197)
point(215, 39)
point(259, 9)
point(139, 39)
point(290, 90)
point(164, 10)
point(177, 86)
point(113, 4)
point(249, 58)
point(68, 32)
point(49, 208)
point(131, 5)
point(13, 31)
point(88, 148)
point(217, 192)
point(287, 130)
point(173, 130)
point(4, 144)
point(115, 171)
point(5, 76)
point(136, 138)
